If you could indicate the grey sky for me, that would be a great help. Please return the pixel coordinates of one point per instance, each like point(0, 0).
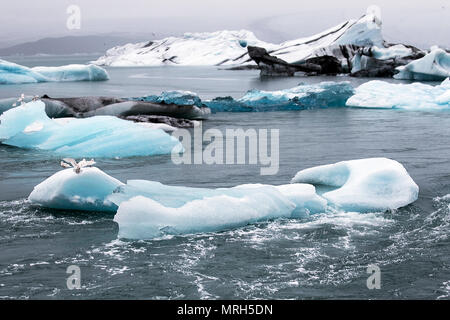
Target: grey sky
point(418, 22)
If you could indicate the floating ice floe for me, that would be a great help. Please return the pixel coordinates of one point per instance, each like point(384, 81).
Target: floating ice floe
point(229, 47)
point(435, 66)
point(321, 95)
point(68, 190)
point(12, 73)
point(28, 126)
point(414, 96)
point(149, 209)
point(374, 184)
point(142, 217)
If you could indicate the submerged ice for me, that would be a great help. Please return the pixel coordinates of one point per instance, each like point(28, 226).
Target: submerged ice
point(28, 126)
point(149, 209)
point(12, 73)
point(414, 96)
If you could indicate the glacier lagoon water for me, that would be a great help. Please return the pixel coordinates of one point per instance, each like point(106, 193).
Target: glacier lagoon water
point(324, 256)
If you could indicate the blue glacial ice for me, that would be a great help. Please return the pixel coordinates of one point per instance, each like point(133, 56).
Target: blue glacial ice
point(364, 185)
point(303, 196)
point(322, 95)
point(144, 218)
point(149, 209)
point(414, 96)
point(435, 66)
point(177, 97)
point(12, 73)
point(87, 191)
point(28, 126)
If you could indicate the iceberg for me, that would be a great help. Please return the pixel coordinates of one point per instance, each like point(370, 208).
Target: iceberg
point(374, 184)
point(73, 72)
point(324, 94)
point(382, 61)
point(192, 49)
point(414, 96)
point(28, 126)
point(67, 190)
point(228, 48)
point(178, 97)
point(303, 196)
point(149, 209)
point(144, 218)
point(435, 66)
point(12, 73)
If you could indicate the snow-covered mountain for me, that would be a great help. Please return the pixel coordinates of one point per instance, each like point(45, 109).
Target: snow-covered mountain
point(227, 48)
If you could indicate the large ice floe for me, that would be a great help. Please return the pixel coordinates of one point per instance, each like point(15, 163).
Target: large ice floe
point(149, 209)
point(435, 66)
point(321, 95)
point(28, 126)
point(414, 96)
point(229, 47)
point(12, 73)
point(374, 184)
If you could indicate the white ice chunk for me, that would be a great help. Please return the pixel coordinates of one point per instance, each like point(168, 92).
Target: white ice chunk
point(435, 66)
point(414, 96)
point(363, 185)
point(86, 190)
point(230, 47)
point(144, 218)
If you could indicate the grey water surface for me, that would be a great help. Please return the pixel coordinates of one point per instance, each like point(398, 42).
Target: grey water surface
point(320, 257)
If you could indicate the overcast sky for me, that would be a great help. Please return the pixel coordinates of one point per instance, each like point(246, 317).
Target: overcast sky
point(418, 22)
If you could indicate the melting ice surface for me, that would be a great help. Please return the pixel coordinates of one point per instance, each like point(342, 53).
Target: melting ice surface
point(324, 94)
point(148, 209)
point(374, 184)
point(435, 66)
point(12, 73)
point(28, 126)
point(414, 96)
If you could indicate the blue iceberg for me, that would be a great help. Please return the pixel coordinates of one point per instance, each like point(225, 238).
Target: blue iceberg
point(178, 97)
point(364, 185)
point(435, 66)
point(322, 95)
point(414, 96)
point(28, 126)
point(12, 73)
point(86, 191)
point(149, 209)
